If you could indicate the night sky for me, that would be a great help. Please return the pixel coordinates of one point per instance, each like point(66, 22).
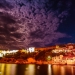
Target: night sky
point(36, 23)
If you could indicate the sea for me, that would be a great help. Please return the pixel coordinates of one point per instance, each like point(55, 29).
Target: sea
point(36, 69)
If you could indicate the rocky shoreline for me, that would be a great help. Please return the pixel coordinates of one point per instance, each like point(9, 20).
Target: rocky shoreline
point(22, 61)
point(29, 61)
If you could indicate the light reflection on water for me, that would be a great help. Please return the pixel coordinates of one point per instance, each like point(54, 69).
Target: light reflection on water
point(32, 69)
point(49, 70)
point(63, 70)
point(7, 69)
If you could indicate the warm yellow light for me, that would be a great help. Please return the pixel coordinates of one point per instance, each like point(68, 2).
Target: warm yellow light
point(49, 69)
point(4, 52)
point(1, 55)
point(30, 70)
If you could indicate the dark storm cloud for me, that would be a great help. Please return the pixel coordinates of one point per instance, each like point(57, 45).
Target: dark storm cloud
point(7, 18)
point(5, 21)
point(8, 28)
point(32, 22)
point(5, 5)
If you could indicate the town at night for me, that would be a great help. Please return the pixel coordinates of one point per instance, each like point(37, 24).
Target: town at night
point(59, 54)
point(37, 37)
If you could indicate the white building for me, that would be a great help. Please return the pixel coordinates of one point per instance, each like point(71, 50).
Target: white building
point(31, 49)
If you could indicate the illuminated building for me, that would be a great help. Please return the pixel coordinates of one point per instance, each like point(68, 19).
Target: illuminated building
point(4, 52)
point(31, 49)
point(23, 50)
point(70, 46)
point(1, 55)
point(57, 46)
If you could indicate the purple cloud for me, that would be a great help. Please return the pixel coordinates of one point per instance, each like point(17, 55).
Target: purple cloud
point(32, 23)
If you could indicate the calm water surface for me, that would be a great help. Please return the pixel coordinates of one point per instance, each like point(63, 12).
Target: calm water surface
point(32, 69)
